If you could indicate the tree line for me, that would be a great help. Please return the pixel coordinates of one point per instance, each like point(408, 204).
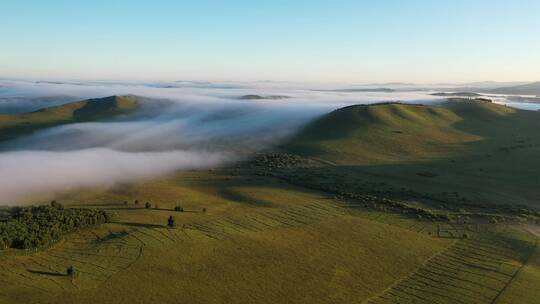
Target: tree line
point(33, 227)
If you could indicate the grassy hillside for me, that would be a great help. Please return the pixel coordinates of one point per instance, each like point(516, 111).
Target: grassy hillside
point(13, 125)
point(482, 151)
point(380, 134)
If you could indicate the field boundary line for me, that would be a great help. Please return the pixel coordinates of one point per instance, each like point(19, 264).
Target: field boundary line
point(398, 281)
point(533, 250)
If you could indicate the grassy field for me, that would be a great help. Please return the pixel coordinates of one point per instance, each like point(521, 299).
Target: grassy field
point(299, 246)
point(13, 125)
point(301, 243)
point(344, 217)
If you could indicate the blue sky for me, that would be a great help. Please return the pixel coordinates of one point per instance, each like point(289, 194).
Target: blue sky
point(318, 40)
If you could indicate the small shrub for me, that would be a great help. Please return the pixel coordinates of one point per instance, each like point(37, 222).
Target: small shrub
point(70, 271)
point(147, 205)
point(55, 204)
point(171, 222)
point(178, 209)
point(136, 202)
point(203, 209)
point(427, 174)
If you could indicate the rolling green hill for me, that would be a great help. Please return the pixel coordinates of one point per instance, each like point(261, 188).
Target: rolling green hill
point(13, 125)
point(383, 133)
point(483, 151)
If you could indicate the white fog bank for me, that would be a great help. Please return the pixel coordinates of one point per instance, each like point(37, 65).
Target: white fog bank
point(181, 125)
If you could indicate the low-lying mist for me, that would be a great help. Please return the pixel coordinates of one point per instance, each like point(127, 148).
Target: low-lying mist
point(180, 125)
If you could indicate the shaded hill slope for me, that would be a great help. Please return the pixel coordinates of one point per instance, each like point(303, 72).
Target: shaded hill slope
point(484, 151)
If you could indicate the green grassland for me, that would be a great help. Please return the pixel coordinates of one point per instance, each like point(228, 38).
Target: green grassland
point(13, 125)
point(368, 204)
point(301, 243)
point(301, 246)
point(527, 279)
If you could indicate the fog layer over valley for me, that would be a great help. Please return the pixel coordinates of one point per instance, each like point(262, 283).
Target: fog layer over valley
point(179, 125)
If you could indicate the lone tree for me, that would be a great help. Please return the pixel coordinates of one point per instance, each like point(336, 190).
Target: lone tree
point(147, 205)
point(70, 271)
point(171, 222)
point(56, 204)
point(136, 202)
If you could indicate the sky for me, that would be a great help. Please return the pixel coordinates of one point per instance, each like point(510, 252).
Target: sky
point(239, 40)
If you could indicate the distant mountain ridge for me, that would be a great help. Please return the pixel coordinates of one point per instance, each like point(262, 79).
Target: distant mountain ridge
point(259, 97)
point(525, 89)
point(367, 90)
point(459, 94)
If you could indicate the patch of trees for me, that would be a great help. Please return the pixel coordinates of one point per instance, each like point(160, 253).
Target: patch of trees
point(34, 227)
point(279, 160)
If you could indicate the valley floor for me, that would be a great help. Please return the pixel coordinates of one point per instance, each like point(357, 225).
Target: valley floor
point(262, 240)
